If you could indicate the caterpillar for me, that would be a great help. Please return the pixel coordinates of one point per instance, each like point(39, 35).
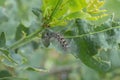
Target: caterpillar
point(49, 34)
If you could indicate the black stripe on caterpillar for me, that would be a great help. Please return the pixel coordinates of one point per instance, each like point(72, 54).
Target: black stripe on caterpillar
point(60, 39)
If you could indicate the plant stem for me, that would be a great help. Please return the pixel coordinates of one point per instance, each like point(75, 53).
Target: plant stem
point(25, 40)
point(33, 35)
point(91, 33)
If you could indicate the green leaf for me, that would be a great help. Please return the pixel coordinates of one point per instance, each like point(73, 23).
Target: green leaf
point(89, 46)
point(85, 55)
point(2, 40)
point(57, 12)
point(5, 73)
point(77, 5)
point(21, 32)
point(69, 7)
point(37, 12)
point(49, 3)
point(50, 7)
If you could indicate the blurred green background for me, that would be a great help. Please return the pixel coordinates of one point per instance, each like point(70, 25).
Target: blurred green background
point(53, 65)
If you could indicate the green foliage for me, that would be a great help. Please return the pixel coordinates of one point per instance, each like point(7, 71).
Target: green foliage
point(70, 9)
point(96, 46)
point(88, 47)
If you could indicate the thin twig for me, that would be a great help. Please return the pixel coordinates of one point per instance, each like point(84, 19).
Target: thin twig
point(92, 33)
point(26, 39)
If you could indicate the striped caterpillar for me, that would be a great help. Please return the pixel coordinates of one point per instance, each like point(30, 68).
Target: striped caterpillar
point(48, 35)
